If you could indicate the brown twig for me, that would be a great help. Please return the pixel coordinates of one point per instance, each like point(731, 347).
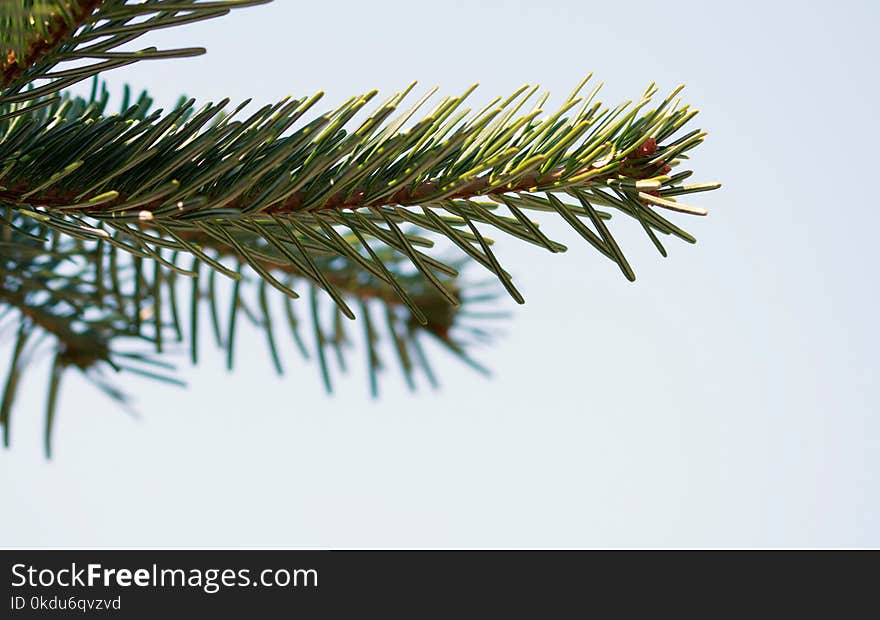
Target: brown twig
point(338, 201)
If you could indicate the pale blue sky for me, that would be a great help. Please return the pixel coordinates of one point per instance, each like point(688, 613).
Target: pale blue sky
point(727, 398)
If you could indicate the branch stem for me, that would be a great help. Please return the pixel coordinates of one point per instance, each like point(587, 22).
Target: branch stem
point(407, 196)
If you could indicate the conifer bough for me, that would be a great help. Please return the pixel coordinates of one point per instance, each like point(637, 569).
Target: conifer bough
point(119, 228)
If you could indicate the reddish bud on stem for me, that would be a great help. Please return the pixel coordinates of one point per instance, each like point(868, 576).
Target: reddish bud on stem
point(646, 148)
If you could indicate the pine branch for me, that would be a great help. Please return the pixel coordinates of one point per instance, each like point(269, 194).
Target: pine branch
point(39, 35)
point(172, 173)
point(107, 304)
point(32, 30)
point(106, 216)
